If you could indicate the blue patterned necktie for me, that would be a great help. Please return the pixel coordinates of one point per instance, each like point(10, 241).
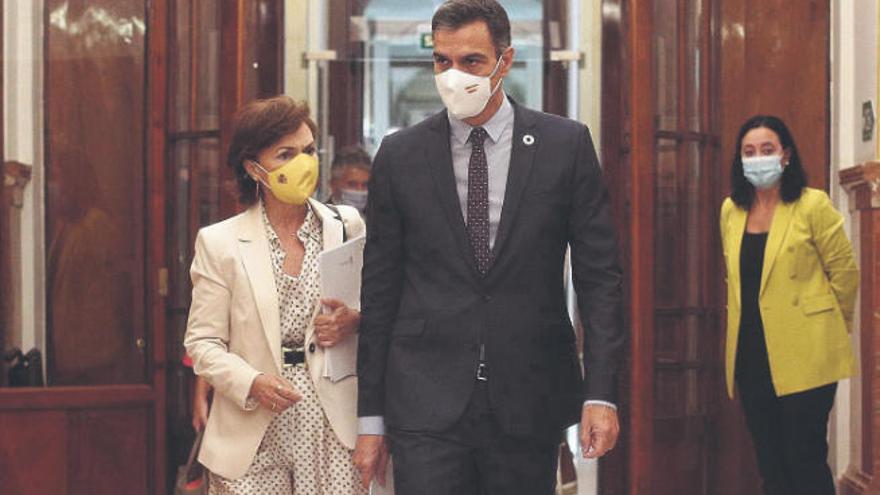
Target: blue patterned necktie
point(478, 200)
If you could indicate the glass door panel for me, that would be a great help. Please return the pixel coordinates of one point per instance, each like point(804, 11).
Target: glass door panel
point(95, 171)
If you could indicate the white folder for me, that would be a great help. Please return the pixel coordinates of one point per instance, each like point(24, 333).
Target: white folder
point(340, 274)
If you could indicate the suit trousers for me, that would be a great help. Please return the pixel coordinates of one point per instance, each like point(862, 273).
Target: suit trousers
point(474, 457)
point(790, 437)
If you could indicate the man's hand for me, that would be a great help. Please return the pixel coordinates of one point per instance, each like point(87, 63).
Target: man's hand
point(371, 458)
point(599, 430)
point(337, 323)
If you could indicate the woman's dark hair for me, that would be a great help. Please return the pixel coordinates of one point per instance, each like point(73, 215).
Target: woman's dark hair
point(257, 126)
point(794, 178)
point(454, 14)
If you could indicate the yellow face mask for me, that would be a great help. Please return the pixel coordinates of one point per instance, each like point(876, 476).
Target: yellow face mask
point(294, 181)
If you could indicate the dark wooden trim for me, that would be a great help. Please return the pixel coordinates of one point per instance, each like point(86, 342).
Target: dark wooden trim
point(860, 181)
point(232, 83)
point(614, 469)
point(12, 399)
point(158, 32)
point(641, 235)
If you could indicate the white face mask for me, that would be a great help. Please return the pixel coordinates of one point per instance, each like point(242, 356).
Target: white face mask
point(763, 171)
point(353, 197)
point(465, 95)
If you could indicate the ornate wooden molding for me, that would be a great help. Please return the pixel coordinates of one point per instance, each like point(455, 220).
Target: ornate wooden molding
point(16, 175)
point(863, 181)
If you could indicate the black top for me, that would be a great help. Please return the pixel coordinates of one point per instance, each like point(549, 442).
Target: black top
point(752, 365)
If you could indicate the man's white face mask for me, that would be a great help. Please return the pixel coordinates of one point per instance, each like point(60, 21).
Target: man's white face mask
point(465, 95)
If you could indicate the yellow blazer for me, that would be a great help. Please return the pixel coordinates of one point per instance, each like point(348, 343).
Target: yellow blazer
point(234, 333)
point(807, 293)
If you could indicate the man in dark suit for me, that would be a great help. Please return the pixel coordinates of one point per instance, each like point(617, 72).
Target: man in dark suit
point(467, 361)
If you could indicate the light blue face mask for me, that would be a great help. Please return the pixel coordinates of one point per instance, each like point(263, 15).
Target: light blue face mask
point(763, 171)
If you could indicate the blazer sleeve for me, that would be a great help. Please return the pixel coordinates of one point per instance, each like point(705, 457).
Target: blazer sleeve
point(381, 286)
point(596, 273)
point(836, 255)
point(207, 331)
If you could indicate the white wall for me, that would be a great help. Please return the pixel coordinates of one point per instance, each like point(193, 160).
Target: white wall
point(853, 81)
point(23, 132)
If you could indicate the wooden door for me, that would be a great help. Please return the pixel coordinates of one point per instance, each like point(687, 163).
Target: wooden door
point(222, 53)
point(98, 426)
point(675, 92)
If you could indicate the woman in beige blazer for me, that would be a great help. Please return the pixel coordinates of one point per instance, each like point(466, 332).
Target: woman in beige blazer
point(258, 329)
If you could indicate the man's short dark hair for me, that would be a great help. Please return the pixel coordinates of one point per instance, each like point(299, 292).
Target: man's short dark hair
point(454, 14)
point(350, 156)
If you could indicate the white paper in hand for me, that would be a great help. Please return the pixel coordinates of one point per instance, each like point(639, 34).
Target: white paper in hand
point(340, 274)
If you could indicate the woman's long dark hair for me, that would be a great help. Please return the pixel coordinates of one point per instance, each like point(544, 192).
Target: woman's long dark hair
point(794, 178)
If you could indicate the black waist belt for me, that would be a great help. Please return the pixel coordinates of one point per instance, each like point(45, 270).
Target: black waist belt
point(293, 357)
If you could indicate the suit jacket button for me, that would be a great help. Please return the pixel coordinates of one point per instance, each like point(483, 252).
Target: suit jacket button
point(312, 347)
point(487, 298)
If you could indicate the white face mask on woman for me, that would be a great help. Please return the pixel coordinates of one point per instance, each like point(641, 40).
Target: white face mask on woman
point(465, 95)
point(763, 171)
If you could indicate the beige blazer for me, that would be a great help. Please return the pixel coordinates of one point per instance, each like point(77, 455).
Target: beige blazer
point(233, 334)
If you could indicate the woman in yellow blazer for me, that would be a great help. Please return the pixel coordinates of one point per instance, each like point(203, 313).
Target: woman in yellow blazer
point(791, 288)
point(258, 328)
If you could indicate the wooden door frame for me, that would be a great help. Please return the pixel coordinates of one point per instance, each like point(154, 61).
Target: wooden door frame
point(149, 396)
point(156, 153)
point(627, 154)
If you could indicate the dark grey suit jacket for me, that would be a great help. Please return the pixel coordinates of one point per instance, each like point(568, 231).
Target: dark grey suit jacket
point(425, 307)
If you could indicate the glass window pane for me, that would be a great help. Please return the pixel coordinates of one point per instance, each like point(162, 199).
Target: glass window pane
point(95, 191)
point(694, 67)
point(666, 63)
point(667, 224)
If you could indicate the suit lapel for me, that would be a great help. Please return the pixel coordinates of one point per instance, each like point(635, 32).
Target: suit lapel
point(522, 156)
point(778, 230)
point(736, 229)
point(439, 158)
point(254, 248)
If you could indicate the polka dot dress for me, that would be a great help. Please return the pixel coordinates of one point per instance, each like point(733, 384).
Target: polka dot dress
point(300, 454)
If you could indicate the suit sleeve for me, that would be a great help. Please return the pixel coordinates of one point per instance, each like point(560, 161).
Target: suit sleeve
point(597, 274)
point(382, 278)
point(836, 255)
point(207, 330)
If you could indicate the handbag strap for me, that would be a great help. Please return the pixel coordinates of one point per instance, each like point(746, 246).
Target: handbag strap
point(338, 216)
point(194, 452)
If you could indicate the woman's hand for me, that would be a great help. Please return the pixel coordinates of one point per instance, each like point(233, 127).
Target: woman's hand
point(334, 326)
point(201, 403)
point(274, 393)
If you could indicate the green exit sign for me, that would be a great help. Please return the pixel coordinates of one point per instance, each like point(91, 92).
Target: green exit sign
point(426, 41)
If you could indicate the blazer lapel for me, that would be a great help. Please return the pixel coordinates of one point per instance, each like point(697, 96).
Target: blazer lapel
point(522, 156)
point(736, 229)
point(254, 248)
point(439, 158)
point(778, 230)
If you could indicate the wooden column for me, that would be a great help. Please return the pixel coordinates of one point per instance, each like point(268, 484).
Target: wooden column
point(863, 184)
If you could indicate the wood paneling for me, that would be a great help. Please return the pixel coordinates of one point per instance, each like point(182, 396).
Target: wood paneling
point(76, 448)
point(33, 452)
point(775, 60)
point(108, 451)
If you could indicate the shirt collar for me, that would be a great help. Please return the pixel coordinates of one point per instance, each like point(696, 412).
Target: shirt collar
point(495, 126)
